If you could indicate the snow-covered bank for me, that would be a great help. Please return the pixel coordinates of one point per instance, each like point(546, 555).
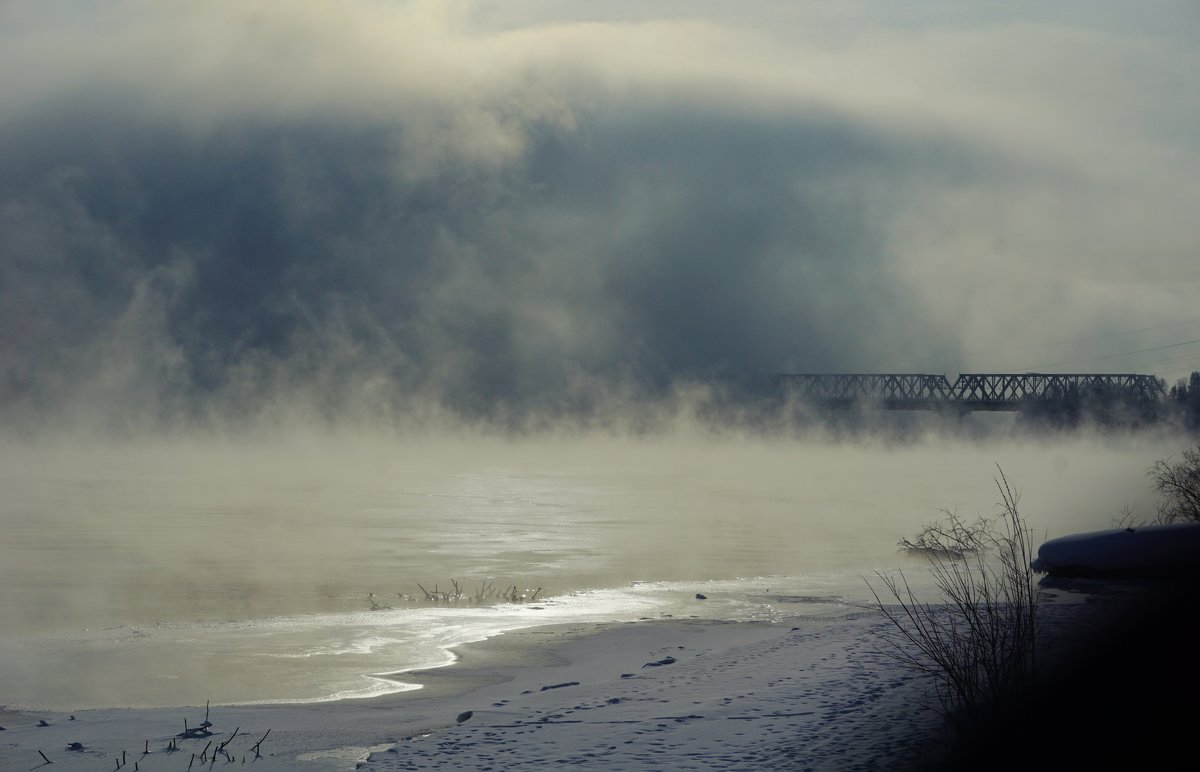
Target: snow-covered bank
point(1148, 550)
point(814, 693)
point(691, 696)
point(811, 692)
point(664, 695)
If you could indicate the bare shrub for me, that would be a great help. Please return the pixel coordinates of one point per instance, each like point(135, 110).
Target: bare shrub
point(977, 643)
point(949, 537)
point(1178, 482)
point(1128, 518)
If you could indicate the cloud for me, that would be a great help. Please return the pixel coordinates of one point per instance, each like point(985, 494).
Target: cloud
point(392, 208)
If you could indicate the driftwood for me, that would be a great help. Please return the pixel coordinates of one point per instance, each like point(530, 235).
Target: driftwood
point(258, 744)
point(203, 729)
point(221, 747)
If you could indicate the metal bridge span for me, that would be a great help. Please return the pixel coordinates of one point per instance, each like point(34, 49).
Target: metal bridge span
point(970, 391)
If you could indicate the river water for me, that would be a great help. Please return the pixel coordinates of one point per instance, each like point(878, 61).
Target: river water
point(174, 572)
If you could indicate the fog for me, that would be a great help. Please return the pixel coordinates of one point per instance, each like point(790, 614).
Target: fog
point(163, 532)
point(303, 301)
point(519, 215)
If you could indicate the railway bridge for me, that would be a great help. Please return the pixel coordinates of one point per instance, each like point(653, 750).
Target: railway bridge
point(969, 392)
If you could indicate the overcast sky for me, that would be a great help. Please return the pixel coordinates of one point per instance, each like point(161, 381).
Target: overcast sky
point(526, 207)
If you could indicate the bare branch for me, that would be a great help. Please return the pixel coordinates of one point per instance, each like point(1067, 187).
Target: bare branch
point(978, 642)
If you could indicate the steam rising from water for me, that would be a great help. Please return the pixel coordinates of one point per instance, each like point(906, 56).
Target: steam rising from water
point(275, 279)
point(165, 558)
point(208, 530)
point(408, 212)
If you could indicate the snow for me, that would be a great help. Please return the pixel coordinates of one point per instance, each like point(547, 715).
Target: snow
point(661, 695)
point(1153, 548)
point(819, 694)
point(687, 696)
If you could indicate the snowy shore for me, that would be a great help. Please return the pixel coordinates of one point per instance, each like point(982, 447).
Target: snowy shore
point(662, 695)
point(817, 693)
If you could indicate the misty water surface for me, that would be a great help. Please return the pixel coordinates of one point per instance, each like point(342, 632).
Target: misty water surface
point(107, 539)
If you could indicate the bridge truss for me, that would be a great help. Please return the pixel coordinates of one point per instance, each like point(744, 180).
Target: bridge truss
point(970, 391)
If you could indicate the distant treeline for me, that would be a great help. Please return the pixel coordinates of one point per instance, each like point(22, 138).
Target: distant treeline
point(1111, 407)
point(1184, 401)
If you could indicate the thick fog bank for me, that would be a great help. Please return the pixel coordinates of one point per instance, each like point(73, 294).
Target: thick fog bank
point(404, 213)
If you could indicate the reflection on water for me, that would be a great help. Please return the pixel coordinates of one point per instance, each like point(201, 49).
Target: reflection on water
point(117, 558)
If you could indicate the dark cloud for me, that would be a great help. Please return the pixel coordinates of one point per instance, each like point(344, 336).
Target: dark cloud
point(529, 226)
point(639, 248)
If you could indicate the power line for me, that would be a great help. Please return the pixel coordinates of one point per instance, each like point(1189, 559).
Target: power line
point(1185, 358)
point(1114, 356)
point(1188, 364)
point(1040, 346)
point(1095, 337)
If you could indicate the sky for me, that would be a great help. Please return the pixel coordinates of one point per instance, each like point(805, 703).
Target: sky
point(524, 211)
